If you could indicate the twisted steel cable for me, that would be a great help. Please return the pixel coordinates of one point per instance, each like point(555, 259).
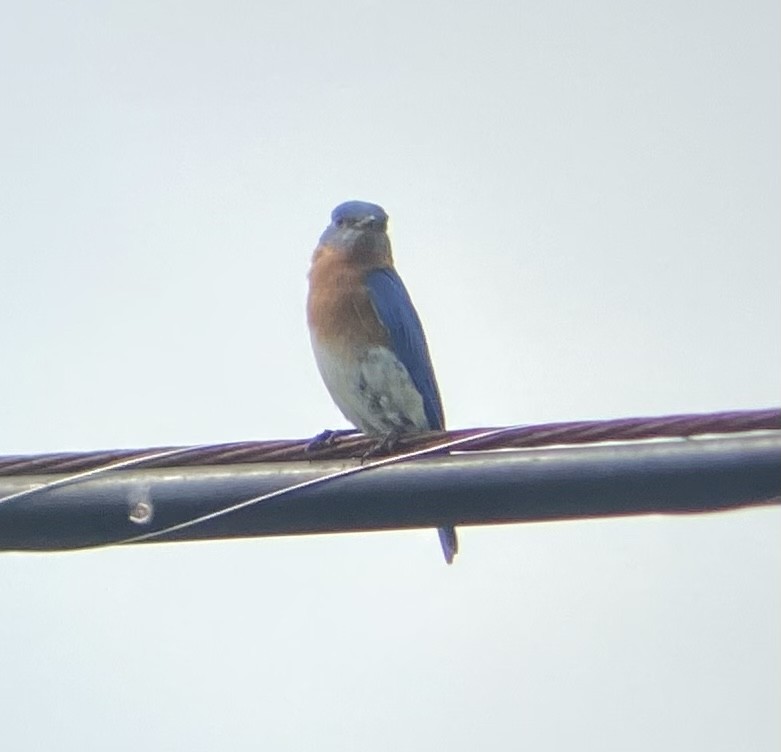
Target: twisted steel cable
point(356, 445)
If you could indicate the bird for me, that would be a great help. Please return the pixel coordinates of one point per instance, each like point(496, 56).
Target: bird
point(367, 337)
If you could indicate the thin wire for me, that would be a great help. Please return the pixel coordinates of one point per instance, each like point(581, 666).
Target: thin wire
point(307, 484)
point(76, 477)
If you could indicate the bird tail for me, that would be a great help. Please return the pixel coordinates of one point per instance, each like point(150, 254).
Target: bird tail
point(449, 541)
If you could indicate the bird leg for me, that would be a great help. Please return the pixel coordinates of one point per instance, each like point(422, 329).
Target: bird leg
point(385, 445)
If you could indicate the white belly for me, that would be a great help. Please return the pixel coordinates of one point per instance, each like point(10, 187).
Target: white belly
point(373, 390)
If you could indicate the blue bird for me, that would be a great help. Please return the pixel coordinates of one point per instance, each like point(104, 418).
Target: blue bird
point(366, 334)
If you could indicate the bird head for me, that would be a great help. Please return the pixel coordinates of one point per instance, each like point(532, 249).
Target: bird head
point(358, 228)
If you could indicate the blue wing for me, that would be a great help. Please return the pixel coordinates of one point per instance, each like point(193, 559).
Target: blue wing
point(397, 314)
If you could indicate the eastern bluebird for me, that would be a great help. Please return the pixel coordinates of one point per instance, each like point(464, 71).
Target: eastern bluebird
point(366, 335)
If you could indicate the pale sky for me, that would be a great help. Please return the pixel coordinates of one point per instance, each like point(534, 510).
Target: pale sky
point(584, 203)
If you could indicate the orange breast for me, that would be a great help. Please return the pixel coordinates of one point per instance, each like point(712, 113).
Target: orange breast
point(339, 311)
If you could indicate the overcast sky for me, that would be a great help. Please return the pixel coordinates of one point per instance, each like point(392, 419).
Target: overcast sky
point(584, 203)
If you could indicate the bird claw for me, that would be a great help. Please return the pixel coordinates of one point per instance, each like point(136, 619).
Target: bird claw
point(386, 445)
point(327, 439)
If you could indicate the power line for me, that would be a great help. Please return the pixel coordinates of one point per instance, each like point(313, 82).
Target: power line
point(356, 445)
point(41, 509)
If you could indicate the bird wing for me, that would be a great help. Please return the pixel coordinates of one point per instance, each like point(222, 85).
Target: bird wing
point(394, 309)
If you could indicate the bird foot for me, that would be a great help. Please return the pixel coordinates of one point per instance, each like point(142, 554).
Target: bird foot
point(327, 439)
point(386, 445)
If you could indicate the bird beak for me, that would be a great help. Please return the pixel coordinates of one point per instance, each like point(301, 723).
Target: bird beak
point(366, 221)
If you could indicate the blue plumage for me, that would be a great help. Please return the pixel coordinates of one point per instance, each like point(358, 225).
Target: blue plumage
point(396, 313)
point(367, 338)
